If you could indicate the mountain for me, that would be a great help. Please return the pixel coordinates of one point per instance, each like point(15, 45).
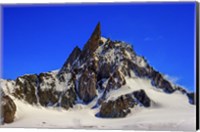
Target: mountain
point(107, 79)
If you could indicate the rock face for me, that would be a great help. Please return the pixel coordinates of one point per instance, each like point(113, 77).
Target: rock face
point(68, 99)
point(117, 108)
point(47, 96)
point(142, 98)
point(70, 60)
point(148, 72)
point(87, 86)
point(159, 81)
point(191, 97)
point(8, 108)
point(93, 43)
point(121, 106)
point(42, 89)
point(26, 87)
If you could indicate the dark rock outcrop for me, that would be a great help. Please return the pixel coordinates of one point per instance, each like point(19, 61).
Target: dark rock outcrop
point(130, 66)
point(87, 86)
point(159, 81)
point(178, 88)
point(148, 72)
point(8, 108)
point(92, 63)
point(116, 80)
point(69, 97)
point(192, 97)
point(48, 97)
point(69, 62)
point(105, 69)
point(26, 87)
point(92, 44)
point(121, 106)
point(142, 98)
point(47, 94)
point(118, 108)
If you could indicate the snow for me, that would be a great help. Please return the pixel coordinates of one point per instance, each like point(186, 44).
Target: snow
point(128, 55)
point(59, 86)
point(7, 86)
point(82, 116)
point(104, 40)
point(168, 112)
point(140, 61)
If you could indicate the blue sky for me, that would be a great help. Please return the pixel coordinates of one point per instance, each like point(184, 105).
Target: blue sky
point(39, 38)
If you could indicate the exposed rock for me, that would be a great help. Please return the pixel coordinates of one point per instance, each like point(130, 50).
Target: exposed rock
point(105, 70)
point(47, 94)
point(147, 72)
point(100, 42)
point(121, 106)
point(68, 100)
point(48, 97)
point(116, 80)
point(87, 86)
point(119, 77)
point(129, 66)
point(118, 108)
point(46, 80)
point(181, 89)
point(69, 97)
point(159, 81)
point(92, 63)
point(8, 108)
point(142, 98)
point(192, 97)
point(93, 43)
point(73, 56)
point(26, 87)
point(69, 62)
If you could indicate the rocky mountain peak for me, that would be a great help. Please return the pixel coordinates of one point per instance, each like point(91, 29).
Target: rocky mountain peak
point(70, 60)
point(108, 72)
point(93, 42)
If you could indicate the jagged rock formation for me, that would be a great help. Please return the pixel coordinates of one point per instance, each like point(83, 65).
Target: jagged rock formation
point(8, 109)
point(92, 43)
point(121, 106)
point(70, 60)
point(87, 86)
point(26, 87)
point(97, 71)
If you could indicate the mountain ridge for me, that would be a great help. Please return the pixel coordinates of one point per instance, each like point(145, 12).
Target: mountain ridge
point(101, 68)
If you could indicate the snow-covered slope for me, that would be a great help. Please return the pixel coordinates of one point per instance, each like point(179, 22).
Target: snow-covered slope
point(107, 86)
point(166, 114)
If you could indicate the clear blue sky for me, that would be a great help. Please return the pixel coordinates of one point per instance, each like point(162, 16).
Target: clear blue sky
point(39, 38)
